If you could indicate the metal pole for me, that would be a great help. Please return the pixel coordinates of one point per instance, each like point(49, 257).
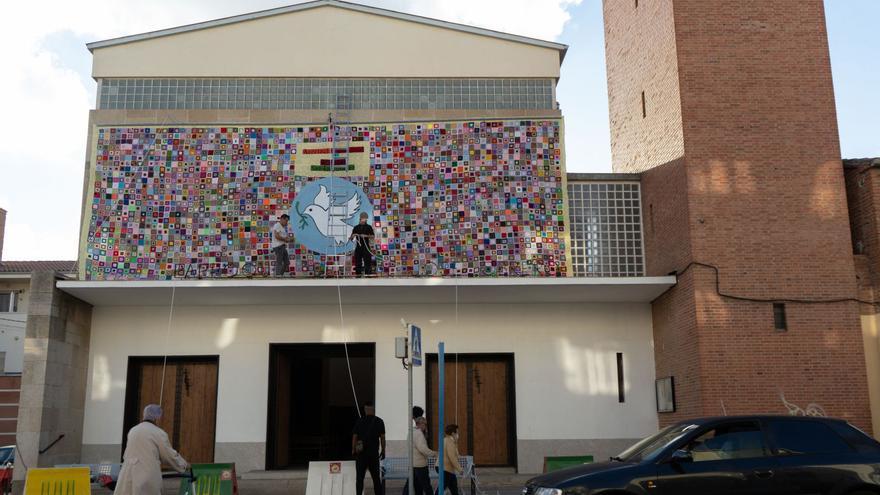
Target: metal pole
point(441, 393)
point(409, 437)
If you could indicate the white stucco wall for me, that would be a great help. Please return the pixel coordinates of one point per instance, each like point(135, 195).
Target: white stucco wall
point(565, 360)
point(12, 341)
point(326, 42)
point(12, 326)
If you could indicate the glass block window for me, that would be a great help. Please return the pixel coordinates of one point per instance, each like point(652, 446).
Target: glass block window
point(605, 221)
point(308, 94)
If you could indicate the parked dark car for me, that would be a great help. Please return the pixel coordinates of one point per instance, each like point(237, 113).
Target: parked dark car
point(761, 455)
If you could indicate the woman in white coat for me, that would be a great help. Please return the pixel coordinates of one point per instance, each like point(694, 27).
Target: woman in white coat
point(147, 448)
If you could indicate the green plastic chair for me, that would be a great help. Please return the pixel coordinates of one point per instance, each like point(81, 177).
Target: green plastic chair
point(211, 479)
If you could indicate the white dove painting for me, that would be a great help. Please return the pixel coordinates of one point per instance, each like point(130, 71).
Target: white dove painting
point(331, 217)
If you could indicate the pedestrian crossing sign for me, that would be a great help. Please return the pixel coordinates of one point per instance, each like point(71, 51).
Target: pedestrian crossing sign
point(416, 340)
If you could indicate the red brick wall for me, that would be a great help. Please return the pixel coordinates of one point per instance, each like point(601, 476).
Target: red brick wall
point(767, 195)
point(639, 143)
point(10, 387)
point(747, 363)
point(757, 191)
point(864, 280)
point(665, 219)
point(677, 348)
point(863, 196)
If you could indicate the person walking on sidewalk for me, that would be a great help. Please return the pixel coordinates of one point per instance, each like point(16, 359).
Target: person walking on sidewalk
point(421, 452)
point(451, 466)
point(147, 449)
point(368, 448)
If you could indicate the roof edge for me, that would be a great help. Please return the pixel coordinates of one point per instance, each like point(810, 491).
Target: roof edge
point(861, 162)
point(562, 48)
point(602, 177)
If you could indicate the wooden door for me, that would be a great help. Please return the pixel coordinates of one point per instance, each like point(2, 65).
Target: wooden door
point(487, 400)
point(189, 401)
point(479, 398)
point(279, 440)
point(455, 405)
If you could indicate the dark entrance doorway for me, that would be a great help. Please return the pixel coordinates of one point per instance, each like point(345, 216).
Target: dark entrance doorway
point(481, 399)
point(189, 401)
point(311, 405)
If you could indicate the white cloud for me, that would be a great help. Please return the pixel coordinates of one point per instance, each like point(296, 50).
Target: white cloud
point(41, 241)
point(43, 134)
point(543, 19)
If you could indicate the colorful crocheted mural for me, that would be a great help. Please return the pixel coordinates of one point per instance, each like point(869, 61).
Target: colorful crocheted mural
point(473, 198)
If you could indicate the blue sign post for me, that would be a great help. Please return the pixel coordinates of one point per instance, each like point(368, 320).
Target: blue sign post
point(415, 359)
point(441, 392)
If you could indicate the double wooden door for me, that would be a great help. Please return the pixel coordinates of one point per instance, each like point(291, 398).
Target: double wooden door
point(312, 406)
point(480, 398)
point(189, 401)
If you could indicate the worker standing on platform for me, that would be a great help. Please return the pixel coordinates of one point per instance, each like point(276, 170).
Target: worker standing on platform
point(280, 237)
point(363, 236)
point(147, 448)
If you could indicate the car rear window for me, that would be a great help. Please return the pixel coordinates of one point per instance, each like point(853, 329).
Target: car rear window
point(856, 437)
point(806, 437)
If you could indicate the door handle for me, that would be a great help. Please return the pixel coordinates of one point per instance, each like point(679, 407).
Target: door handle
point(764, 473)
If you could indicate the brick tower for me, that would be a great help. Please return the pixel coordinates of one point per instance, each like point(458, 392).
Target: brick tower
point(727, 107)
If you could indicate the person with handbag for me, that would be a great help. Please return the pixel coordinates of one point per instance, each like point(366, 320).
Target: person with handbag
point(451, 465)
point(368, 448)
point(421, 453)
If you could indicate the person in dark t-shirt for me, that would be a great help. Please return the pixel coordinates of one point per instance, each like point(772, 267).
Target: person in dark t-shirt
point(368, 447)
point(363, 235)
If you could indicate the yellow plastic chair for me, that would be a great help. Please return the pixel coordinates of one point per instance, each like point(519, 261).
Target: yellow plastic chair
point(58, 481)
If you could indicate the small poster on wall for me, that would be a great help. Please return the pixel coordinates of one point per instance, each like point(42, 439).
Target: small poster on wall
point(665, 394)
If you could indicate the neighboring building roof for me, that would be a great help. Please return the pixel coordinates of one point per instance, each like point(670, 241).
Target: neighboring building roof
point(861, 162)
point(27, 267)
point(333, 3)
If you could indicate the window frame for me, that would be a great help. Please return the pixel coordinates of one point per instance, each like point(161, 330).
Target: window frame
point(317, 93)
point(778, 453)
point(13, 301)
point(682, 443)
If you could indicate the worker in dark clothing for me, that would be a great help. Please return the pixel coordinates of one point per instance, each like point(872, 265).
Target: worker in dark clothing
point(368, 448)
point(363, 236)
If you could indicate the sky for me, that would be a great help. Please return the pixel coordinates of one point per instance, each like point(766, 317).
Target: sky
point(49, 92)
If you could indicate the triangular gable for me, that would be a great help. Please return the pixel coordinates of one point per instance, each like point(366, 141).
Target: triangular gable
point(294, 41)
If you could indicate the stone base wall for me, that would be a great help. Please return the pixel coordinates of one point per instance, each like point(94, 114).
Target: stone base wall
point(53, 385)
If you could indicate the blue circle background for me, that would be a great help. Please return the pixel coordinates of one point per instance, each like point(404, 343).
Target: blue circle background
point(307, 233)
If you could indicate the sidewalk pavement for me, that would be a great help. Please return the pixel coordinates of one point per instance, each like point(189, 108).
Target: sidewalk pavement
point(492, 482)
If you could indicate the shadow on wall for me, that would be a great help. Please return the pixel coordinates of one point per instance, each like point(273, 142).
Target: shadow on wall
point(588, 370)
